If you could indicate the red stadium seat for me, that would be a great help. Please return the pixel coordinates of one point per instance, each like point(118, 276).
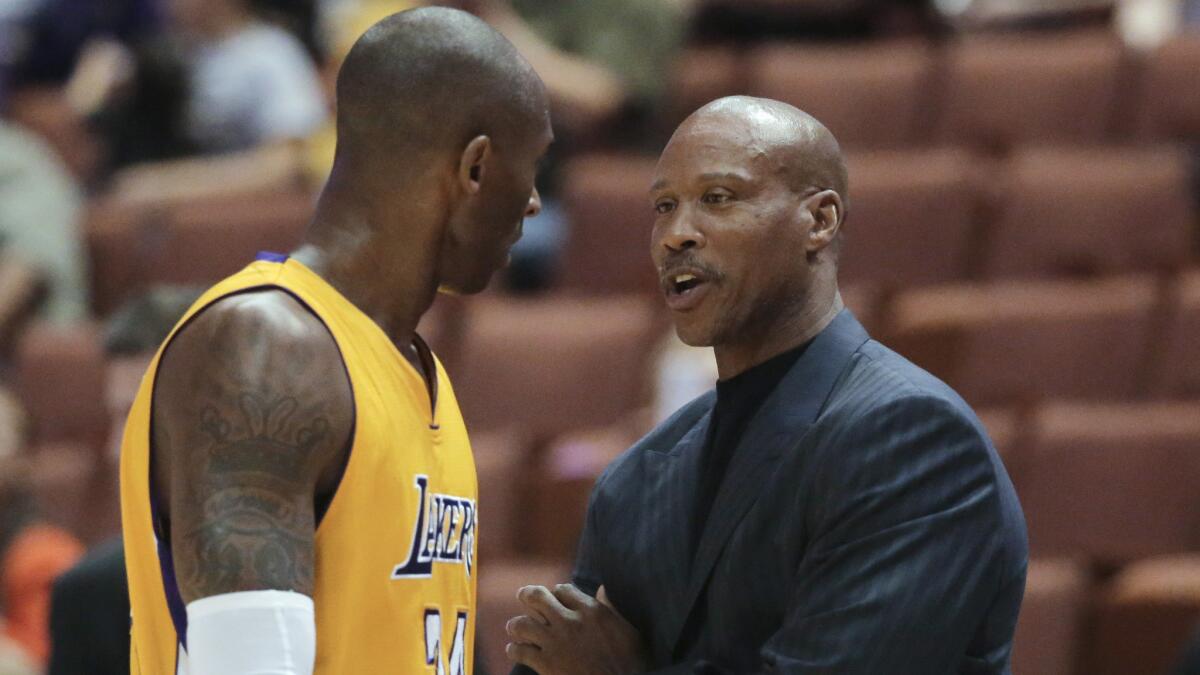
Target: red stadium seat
point(502, 463)
point(1087, 211)
point(1005, 90)
point(114, 235)
point(1170, 92)
point(1178, 369)
point(552, 365)
point(1050, 627)
point(1146, 617)
point(872, 96)
point(206, 240)
point(866, 301)
point(61, 379)
point(498, 586)
point(607, 199)
point(701, 75)
point(911, 218)
point(1114, 482)
point(1004, 427)
point(1018, 341)
point(571, 465)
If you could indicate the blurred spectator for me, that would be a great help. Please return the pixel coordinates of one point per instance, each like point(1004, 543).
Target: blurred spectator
point(255, 95)
point(252, 83)
point(32, 555)
point(57, 33)
point(89, 615)
point(12, 657)
point(41, 208)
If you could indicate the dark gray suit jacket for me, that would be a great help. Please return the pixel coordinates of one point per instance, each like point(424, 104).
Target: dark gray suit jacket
point(865, 526)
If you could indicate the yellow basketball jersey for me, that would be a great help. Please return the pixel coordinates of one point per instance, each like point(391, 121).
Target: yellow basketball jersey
point(395, 573)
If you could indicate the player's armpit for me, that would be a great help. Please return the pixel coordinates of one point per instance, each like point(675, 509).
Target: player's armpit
point(252, 416)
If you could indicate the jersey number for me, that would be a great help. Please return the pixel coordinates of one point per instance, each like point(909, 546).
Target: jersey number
point(433, 644)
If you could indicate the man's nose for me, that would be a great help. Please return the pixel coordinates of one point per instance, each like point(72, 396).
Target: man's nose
point(680, 236)
point(535, 204)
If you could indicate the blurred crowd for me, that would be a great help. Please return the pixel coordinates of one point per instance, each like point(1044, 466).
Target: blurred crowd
point(153, 103)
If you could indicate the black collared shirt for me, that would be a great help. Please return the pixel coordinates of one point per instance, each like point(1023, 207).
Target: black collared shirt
point(738, 399)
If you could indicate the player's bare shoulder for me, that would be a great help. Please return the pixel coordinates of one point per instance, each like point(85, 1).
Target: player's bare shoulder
point(252, 417)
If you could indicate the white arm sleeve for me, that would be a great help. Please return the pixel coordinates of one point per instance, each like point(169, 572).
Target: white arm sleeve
point(251, 633)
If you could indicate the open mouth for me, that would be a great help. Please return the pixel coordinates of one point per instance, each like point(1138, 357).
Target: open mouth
point(685, 290)
point(682, 283)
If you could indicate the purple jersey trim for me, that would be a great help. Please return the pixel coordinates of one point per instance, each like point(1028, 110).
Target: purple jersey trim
point(166, 565)
point(271, 256)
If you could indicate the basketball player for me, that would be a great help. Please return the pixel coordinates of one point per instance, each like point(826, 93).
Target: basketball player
point(298, 492)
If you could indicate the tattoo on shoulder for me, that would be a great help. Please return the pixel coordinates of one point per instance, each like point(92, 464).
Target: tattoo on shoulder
point(254, 452)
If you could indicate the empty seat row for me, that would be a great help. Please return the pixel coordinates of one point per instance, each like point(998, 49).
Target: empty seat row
point(992, 91)
point(1109, 339)
point(932, 216)
point(193, 242)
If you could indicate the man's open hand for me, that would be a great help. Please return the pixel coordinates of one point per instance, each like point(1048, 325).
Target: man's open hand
point(567, 632)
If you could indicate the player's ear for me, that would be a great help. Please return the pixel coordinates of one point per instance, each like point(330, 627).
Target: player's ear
point(471, 163)
point(827, 213)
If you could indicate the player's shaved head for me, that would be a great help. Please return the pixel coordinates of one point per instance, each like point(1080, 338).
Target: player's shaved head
point(802, 148)
point(430, 79)
point(441, 125)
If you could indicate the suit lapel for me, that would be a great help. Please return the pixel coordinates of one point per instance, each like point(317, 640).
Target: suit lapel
point(783, 419)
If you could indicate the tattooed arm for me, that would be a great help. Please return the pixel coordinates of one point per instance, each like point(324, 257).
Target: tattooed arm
point(252, 416)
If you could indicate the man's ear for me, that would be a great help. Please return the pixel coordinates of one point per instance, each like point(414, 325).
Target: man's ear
point(828, 213)
point(471, 163)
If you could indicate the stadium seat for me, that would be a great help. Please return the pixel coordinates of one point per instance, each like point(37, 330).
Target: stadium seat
point(551, 365)
point(498, 586)
point(1005, 427)
point(869, 96)
point(61, 378)
point(911, 218)
point(1091, 212)
point(208, 239)
point(1170, 91)
point(607, 201)
point(1018, 341)
point(700, 75)
point(502, 463)
point(114, 233)
point(1114, 482)
point(1146, 616)
point(1011, 89)
point(570, 467)
point(1050, 627)
point(867, 303)
point(1178, 368)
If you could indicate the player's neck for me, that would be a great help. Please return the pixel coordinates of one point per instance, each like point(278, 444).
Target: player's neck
point(392, 285)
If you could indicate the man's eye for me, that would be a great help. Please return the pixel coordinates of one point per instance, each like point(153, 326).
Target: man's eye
point(715, 197)
point(664, 207)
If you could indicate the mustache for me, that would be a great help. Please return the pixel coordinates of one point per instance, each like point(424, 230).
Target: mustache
point(687, 259)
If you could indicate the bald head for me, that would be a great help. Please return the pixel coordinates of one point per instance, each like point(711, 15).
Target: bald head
point(801, 148)
point(430, 79)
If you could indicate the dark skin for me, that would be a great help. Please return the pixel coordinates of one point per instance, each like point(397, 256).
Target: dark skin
point(253, 411)
point(749, 201)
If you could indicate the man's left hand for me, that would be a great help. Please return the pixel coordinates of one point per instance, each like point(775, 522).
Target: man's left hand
point(567, 632)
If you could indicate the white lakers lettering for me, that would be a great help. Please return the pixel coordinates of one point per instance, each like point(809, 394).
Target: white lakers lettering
point(444, 533)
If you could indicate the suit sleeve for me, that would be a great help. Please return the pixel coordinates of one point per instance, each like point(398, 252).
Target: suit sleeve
point(904, 559)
